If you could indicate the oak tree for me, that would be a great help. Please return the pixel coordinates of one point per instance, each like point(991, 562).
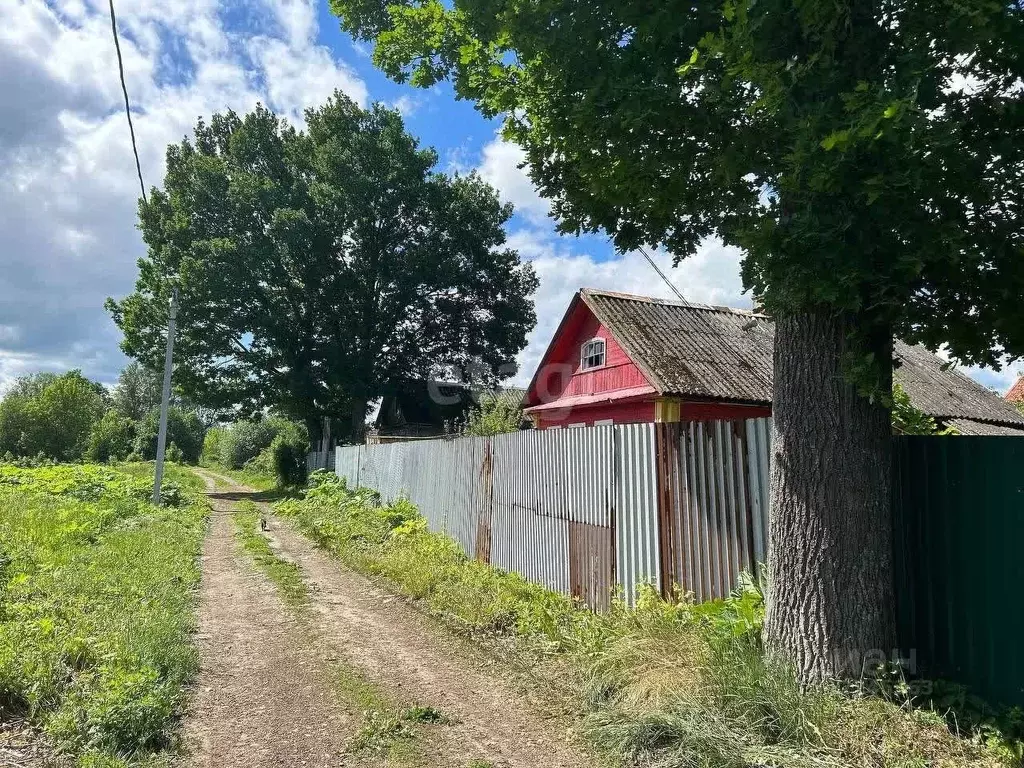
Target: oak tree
point(866, 155)
point(317, 267)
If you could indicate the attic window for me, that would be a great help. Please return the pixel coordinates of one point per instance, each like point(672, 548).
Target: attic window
point(592, 354)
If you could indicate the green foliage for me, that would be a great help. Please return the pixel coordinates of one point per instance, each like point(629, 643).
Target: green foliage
point(667, 684)
point(495, 415)
point(318, 267)
point(908, 420)
point(184, 429)
point(856, 152)
point(244, 440)
point(96, 608)
point(112, 438)
point(213, 445)
point(138, 391)
point(174, 453)
point(50, 415)
point(289, 454)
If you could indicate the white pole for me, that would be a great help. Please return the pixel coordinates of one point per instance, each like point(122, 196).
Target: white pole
point(165, 400)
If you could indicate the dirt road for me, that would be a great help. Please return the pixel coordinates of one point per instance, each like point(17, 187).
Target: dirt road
point(262, 667)
point(263, 698)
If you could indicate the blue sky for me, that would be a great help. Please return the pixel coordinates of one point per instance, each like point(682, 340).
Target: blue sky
point(67, 179)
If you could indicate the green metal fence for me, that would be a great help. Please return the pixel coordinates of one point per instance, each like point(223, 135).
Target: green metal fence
point(958, 505)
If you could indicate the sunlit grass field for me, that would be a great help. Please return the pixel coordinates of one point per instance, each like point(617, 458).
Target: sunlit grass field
point(97, 606)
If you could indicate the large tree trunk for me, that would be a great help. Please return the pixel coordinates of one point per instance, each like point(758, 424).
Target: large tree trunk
point(830, 602)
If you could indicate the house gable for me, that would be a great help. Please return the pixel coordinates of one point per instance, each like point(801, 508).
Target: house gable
point(560, 375)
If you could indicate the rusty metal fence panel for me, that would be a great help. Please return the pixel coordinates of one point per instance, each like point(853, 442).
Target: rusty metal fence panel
point(708, 480)
point(590, 510)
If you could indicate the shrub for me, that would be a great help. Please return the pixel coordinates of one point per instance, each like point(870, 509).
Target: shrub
point(184, 429)
point(213, 443)
point(289, 454)
point(244, 440)
point(495, 415)
point(112, 438)
point(174, 454)
point(50, 415)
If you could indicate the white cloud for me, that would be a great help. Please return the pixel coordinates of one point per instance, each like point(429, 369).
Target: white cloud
point(710, 276)
point(407, 104)
point(68, 188)
point(499, 167)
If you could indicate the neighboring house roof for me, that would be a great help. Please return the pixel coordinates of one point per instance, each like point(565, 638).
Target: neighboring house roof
point(949, 394)
point(720, 353)
point(1016, 393)
point(418, 405)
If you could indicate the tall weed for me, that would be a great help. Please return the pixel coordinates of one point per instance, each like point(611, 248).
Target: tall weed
point(96, 608)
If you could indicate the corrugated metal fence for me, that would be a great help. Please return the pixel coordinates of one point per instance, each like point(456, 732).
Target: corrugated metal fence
point(583, 511)
point(958, 508)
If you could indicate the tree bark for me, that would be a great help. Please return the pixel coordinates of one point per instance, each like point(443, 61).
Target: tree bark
point(830, 601)
point(358, 418)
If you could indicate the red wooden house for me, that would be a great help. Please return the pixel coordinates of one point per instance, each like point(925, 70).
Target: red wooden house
point(618, 358)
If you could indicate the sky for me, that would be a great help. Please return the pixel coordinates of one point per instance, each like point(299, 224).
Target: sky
point(68, 188)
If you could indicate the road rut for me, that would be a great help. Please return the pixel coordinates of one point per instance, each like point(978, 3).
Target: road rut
point(403, 652)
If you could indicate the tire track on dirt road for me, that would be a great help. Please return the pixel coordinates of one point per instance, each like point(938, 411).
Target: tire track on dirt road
point(397, 648)
point(263, 698)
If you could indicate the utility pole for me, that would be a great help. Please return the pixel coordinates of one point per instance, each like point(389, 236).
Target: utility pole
point(165, 400)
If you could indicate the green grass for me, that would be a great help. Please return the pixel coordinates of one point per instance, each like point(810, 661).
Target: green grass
point(285, 575)
point(178, 474)
point(666, 684)
point(97, 606)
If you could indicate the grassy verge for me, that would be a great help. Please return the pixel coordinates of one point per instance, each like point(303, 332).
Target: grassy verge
point(664, 685)
point(255, 480)
point(389, 730)
point(176, 476)
point(285, 575)
point(97, 605)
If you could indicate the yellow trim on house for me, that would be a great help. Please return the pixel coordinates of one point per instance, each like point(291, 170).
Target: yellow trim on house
point(667, 410)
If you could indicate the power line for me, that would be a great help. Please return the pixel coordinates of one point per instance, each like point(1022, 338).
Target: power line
point(661, 274)
point(127, 106)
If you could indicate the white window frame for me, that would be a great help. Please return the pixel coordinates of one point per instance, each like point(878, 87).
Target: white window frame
point(584, 356)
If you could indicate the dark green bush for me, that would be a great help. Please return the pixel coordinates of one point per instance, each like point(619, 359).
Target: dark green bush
point(112, 438)
point(184, 429)
point(289, 453)
point(244, 440)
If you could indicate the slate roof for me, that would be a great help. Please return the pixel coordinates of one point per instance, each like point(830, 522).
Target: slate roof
point(949, 394)
point(691, 349)
point(721, 353)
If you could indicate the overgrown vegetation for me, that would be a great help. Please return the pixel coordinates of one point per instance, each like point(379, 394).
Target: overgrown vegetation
point(669, 684)
point(97, 599)
point(269, 448)
point(496, 414)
